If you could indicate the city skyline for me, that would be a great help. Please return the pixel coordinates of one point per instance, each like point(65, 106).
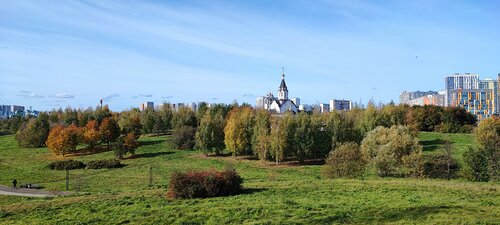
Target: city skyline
point(75, 53)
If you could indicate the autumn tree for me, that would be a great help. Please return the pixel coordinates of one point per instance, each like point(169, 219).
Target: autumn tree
point(63, 139)
point(34, 132)
point(91, 135)
point(210, 133)
point(109, 130)
point(126, 144)
point(238, 131)
point(261, 135)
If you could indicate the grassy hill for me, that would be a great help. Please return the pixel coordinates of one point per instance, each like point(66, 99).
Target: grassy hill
point(273, 194)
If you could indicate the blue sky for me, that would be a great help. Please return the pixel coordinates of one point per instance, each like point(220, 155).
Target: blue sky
point(73, 53)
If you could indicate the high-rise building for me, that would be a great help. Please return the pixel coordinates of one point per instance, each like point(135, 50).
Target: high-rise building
point(406, 96)
point(340, 104)
point(479, 97)
point(146, 105)
point(459, 81)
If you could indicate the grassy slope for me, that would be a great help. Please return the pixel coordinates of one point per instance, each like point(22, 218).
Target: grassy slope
point(433, 142)
point(272, 195)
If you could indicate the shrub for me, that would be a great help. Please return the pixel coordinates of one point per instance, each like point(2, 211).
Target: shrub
point(475, 165)
point(184, 137)
point(345, 161)
point(104, 164)
point(436, 166)
point(388, 147)
point(204, 184)
point(66, 165)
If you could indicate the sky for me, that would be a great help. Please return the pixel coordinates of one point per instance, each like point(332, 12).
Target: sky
point(74, 53)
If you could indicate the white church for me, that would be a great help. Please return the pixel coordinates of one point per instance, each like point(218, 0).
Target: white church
point(280, 104)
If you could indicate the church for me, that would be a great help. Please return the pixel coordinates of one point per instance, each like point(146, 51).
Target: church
point(280, 104)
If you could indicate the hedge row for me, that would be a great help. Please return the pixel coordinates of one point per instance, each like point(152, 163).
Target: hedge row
point(204, 184)
point(96, 164)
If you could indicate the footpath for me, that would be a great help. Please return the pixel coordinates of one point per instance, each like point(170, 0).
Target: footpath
point(4, 190)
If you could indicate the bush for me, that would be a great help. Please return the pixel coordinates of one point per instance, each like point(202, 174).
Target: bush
point(436, 166)
point(204, 184)
point(345, 161)
point(104, 164)
point(394, 151)
point(184, 137)
point(66, 165)
point(475, 165)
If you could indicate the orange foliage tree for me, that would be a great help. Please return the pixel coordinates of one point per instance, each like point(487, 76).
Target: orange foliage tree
point(91, 134)
point(63, 139)
point(109, 130)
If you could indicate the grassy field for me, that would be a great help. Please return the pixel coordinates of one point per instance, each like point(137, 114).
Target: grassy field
point(273, 194)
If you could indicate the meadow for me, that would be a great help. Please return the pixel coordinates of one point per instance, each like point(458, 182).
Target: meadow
point(272, 194)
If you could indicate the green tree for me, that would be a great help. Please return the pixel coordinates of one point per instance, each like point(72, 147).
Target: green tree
point(345, 161)
point(387, 147)
point(34, 132)
point(148, 121)
point(488, 139)
point(130, 122)
point(475, 165)
point(210, 133)
point(184, 117)
point(260, 140)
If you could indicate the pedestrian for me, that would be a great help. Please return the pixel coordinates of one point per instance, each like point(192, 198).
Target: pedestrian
point(14, 183)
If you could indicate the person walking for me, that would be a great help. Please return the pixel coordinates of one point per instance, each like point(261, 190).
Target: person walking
point(14, 183)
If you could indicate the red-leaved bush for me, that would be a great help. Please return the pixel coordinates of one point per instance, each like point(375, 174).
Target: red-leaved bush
point(204, 184)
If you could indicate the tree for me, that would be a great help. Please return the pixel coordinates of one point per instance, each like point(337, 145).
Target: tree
point(109, 130)
point(210, 133)
point(63, 139)
point(148, 121)
point(488, 139)
point(166, 115)
point(302, 136)
point(184, 117)
point(475, 165)
point(277, 140)
point(345, 161)
point(130, 122)
point(70, 116)
point(34, 132)
point(126, 144)
point(387, 148)
point(260, 140)
point(91, 135)
point(184, 137)
point(238, 131)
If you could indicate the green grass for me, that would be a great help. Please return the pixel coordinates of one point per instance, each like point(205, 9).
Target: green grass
point(273, 195)
point(433, 142)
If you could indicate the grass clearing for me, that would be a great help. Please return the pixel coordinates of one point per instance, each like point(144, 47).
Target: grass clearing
point(273, 194)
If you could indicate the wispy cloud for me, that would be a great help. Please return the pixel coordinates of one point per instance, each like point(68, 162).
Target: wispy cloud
point(63, 95)
point(146, 95)
point(167, 97)
point(29, 94)
point(248, 95)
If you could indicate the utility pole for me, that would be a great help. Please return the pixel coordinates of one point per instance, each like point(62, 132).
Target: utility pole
point(150, 176)
point(67, 180)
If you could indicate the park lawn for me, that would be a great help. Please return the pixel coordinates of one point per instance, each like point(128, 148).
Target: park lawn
point(432, 143)
point(272, 194)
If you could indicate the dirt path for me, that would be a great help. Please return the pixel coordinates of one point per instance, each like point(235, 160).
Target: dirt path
point(4, 190)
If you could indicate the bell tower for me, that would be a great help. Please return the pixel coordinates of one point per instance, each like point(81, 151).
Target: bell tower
point(283, 90)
